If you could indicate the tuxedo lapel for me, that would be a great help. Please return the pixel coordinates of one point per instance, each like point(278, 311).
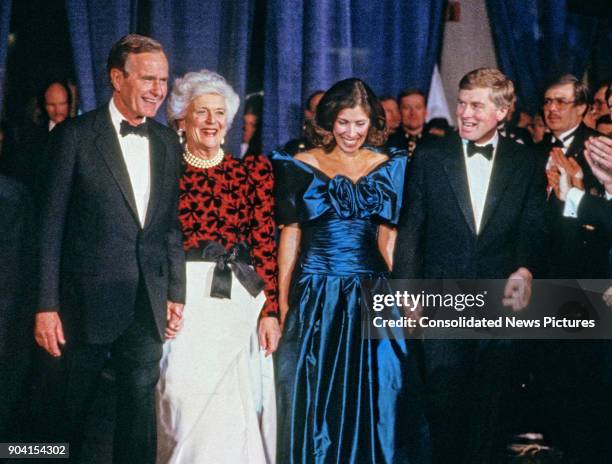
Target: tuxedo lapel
point(577, 145)
point(108, 146)
point(454, 166)
point(503, 169)
point(158, 164)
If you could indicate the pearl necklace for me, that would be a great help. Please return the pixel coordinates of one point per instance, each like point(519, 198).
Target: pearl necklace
point(203, 163)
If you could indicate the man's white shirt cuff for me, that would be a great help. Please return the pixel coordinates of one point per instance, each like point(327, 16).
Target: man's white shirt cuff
point(572, 201)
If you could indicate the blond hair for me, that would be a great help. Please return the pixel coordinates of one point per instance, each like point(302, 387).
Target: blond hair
point(502, 88)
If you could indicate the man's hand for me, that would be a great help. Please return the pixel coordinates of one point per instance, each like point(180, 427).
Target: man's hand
point(174, 317)
point(575, 176)
point(517, 292)
point(553, 176)
point(269, 334)
point(598, 153)
point(49, 333)
point(564, 185)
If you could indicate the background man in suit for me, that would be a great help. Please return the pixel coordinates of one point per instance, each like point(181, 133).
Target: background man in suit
point(393, 118)
point(24, 156)
point(576, 252)
point(413, 111)
point(591, 420)
point(473, 211)
point(112, 264)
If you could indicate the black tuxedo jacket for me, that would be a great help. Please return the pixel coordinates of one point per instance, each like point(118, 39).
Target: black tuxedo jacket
point(437, 233)
point(575, 251)
point(17, 271)
point(596, 210)
point(94, 253)
point(575, 150)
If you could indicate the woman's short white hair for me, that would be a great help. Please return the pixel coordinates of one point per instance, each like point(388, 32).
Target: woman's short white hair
point(194, 84)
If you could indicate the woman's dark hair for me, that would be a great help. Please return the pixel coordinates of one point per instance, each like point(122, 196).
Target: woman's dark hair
point(348, 93)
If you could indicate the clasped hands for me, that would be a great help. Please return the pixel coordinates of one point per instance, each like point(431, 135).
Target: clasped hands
point(563, 173)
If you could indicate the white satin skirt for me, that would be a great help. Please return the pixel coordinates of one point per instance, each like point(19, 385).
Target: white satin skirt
point(215, 398)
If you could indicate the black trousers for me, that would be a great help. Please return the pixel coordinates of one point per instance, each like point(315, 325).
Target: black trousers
point(14, 376)
point(135, 355)
point(468, 384)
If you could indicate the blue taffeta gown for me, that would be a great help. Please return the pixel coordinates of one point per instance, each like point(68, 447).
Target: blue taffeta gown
point(342, 397)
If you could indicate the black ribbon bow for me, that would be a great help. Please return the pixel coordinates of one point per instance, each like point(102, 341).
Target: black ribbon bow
point(558, 144)
point(126, 128)
point(486, 150)
point(236, 260)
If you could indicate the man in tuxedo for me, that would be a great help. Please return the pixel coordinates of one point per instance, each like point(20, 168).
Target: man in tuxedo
point(473, 211)
point(413, 111)
point(112, 278)
point(583, 248)
point(591, 427)
point(25, 157)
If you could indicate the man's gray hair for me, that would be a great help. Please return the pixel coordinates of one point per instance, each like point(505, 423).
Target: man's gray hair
point(195, 84)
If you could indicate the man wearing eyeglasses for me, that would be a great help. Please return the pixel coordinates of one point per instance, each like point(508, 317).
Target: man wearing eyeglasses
point(599, 106)
point(576, 251)
point(563, 369)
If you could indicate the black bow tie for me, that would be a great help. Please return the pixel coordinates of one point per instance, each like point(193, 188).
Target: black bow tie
point(558, 144)
point(126, 128)
point(561, 143)
point(486, 150)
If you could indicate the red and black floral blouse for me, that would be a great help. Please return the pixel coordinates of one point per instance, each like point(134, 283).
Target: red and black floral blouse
point(231, 203)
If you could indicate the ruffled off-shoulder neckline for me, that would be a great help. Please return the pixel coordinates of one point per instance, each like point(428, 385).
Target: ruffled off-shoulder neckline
point(304, 192)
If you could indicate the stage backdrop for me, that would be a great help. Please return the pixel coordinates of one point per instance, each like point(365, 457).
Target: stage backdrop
point(310, 44)
point(536, 39)
point(5, 21)
point(211, 34)
point(94, 26)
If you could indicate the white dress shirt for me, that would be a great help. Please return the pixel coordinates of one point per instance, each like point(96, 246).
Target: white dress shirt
point(565, 138)
point(135, 151)
point(479, 171)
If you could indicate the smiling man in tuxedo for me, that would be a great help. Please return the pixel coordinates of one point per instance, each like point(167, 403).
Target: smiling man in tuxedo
point(473, 211)
point(111, 264)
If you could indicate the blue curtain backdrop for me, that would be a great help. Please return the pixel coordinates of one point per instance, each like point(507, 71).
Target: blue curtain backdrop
point(211, 34)
point(5, 22)
point(94, 26)
point(310, 44)
point(536, 39)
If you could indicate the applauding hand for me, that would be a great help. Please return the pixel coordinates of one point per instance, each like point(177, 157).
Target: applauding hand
point(598, 153)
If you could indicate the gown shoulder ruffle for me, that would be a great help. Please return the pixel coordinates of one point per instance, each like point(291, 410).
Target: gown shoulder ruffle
point(304, 193)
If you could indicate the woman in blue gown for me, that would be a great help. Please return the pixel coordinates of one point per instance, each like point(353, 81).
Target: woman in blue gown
point(344, 394)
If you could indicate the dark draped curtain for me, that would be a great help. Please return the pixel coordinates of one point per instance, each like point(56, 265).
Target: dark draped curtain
point(601, 68)
point(310, 44)
point(536, 39)
point(211, 34)
point(5, 23)
point(94, 26)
